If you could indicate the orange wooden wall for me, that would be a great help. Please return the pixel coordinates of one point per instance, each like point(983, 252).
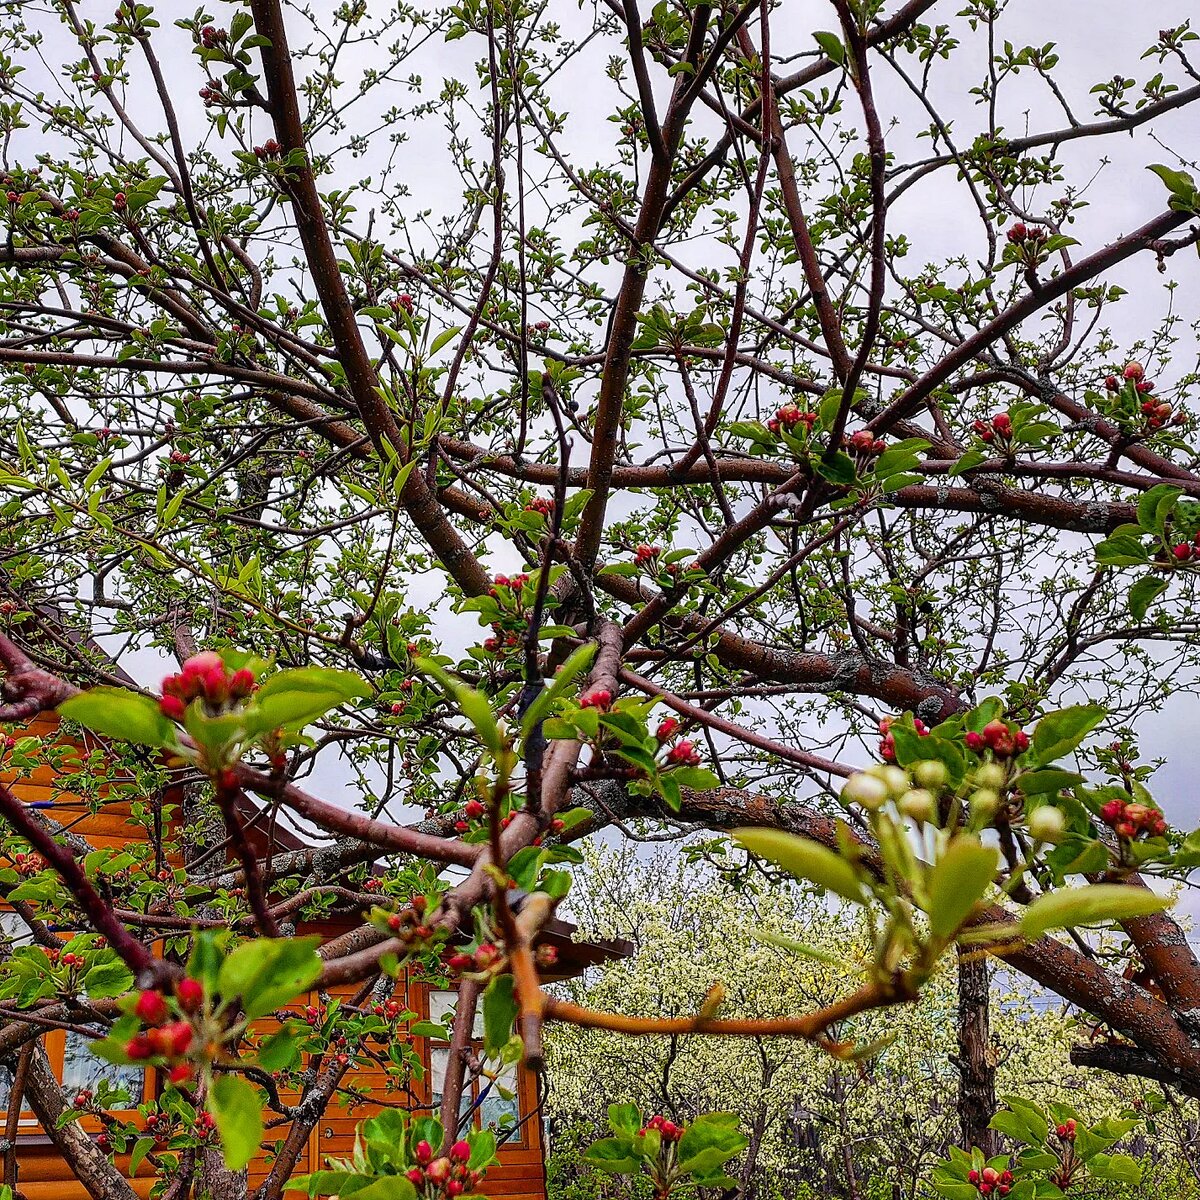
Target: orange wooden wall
point(44, 1174)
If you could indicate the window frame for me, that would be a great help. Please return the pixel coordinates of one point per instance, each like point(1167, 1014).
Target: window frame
point(54, 1042)
point(518, 1135)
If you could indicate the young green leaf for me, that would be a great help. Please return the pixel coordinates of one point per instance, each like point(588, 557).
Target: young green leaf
point(120, 713)
point(236, 1109)
point(958, 881)
point(805, 859)
point(1067, 907)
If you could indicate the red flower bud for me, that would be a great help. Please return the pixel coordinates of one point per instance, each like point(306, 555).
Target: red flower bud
point(151, 1007)
point(177, 1037)
point(667, 728)
point(180, 1074)
point(139, 1047)
point(460, 1151)
point(423, 1152)
point(190, 994)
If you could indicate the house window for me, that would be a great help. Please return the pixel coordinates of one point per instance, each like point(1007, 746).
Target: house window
point(70, 1053)
point(496, 1103)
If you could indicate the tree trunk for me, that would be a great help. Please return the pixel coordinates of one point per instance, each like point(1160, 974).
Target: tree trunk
point(89, 1164)
point(976, 1065)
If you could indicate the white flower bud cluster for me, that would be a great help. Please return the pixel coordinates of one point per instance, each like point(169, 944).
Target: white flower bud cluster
point(873, 788)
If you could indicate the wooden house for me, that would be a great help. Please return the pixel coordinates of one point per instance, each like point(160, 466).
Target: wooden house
point(43, 1174)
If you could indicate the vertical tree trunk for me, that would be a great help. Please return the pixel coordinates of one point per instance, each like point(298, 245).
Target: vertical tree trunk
point(976, 1066)
point(88, 1163)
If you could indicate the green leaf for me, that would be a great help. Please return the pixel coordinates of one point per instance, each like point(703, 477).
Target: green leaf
point(804, 859)
point(297, 697)
point(120, 713)
point(958, 881)
point(832, 45)
point(1119, 1168)
point(428, 1029)
point(268, 972)
point(1155, 505)
point(1122, 550)
point(1085, 905)
point(235, 1107)
point(499, 1013)
point(1059, 733)
point(385, 1187)
point(614, 1156)
point(1143, 594)
point(838, 469)
point(107, 979)
point(474, 705)
point(1046, 783)
point(624, 1119)
point(578, 661)
point(141, 1148)
point(709, 1141)
point(278, 1052)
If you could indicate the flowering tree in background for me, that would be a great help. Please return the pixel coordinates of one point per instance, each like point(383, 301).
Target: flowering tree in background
point(552, 466)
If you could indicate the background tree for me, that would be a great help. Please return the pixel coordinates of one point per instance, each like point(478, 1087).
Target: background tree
point(801, 415)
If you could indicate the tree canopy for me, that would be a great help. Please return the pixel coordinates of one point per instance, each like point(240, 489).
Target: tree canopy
point(506, 425)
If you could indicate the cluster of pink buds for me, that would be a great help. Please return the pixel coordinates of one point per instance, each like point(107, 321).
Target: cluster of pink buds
point(538, 327)
point(472, 811)
point(403, 301)
point(211, 37)
point(312, 1016)
point(1020, 232)
point(448, 1176)
point(389, 1010)
point(166, 1038)
point(82, 1098)
point(683, 754)
point(541, 505)
point(789, 416)
point(1066, 1131)
point(205, 677)
point(997, 737)
point(644, 554)
point(269, 149)
point(990, 1180)
point(483, 958)
point(70, 959)
point(506, 641)
point(504, 583)
point(72, 214)
point(407, 925)
point(598, 698)
point(179, 458)
point(1131, 820)
point(865, 443)
point(887, 739)
point(1155, 413)
point(1000, 426)
point(28, 864)
point(211, 94)
point(161, 1127)
point(667, 1130)
point(1187, 551)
